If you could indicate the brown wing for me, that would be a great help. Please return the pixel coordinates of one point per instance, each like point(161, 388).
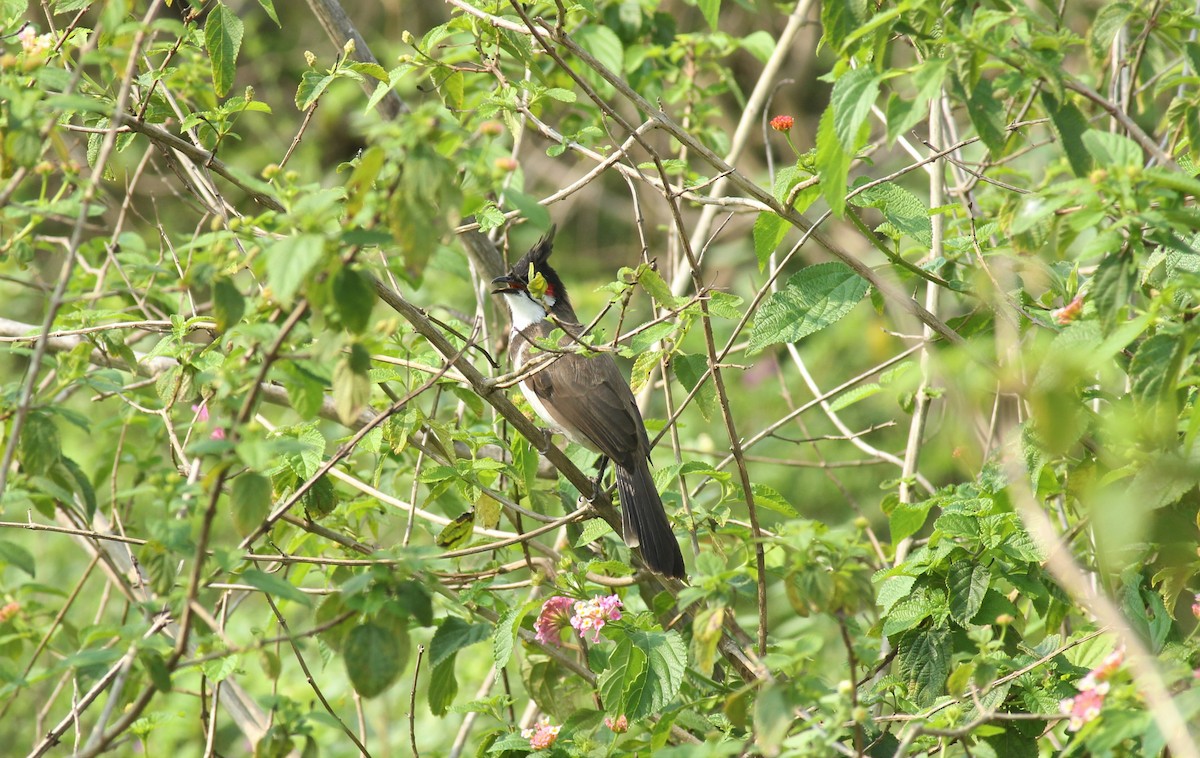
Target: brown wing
point(589, 394)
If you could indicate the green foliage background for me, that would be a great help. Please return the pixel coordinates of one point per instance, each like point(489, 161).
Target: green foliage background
point(921, 365)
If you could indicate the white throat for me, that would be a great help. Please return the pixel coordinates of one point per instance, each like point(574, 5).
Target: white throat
point(524, 310)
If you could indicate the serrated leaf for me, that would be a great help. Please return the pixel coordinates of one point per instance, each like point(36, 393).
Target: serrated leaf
point(1112, 150)
point(924, 658)
point(833, 164)
point(812, 299)
point(354, 298)
point(912, 610)
point(374, 657)
point(837, 21)
point(644, 675)
point(855, 394)
point(312, 85)
point(653, 283)
point(901, 208)
point(1107, 22)
point(1069, 124)
point(269, 7)
point(289, 262)
point(593, 530)
point(769, 231)
point(452, 635)
point(275, 586)
point(228, 303)
point(772, 500)
point(223, 39)
point(853, 95)
point(906, 519)
point(966, 584)
point(506, 632)
point(249, 501)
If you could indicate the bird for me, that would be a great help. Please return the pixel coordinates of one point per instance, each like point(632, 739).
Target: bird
point(586, 398)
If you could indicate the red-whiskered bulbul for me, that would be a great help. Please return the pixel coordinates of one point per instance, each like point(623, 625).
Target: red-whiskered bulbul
point(586, 398)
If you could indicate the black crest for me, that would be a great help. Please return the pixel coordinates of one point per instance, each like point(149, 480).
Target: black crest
point(539, 256)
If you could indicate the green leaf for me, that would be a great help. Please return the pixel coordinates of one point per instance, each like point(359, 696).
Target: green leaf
point(906, 519)
point(604, 45)
point(443, 686)
point(351, 384)
point(374, 657)
point(987, 114)
point(772, 500)
point(812, 299)
point(1107, 22)
point(593, 530)
point(966, 583)
point(853, 95)
point(689, 369)
point(774, 715)
point(223, 38)
point(354, 298)
point(15, 555)
point(249, 501)
point(760, 44)
point(924, 658)
point(1069, 124)
point(912, 610)
point(1112, 285)
point(40, 448)
point(320, 499)
point(769, 231)
point(653, 283)
point(452, 635)
point(505, 635)
point(228, 303)
point(312, 85)
point(275, 586)
point(901, 208)
point(833, 164)
point(712, 12)
point(289, 262)
point(837, 21)
point(269, 7)
point(1112, 150)
point(645, 672)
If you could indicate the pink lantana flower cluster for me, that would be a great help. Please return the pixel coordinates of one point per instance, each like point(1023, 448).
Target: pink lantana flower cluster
point(585, 616)
point(1086, 706)
point(542, 734)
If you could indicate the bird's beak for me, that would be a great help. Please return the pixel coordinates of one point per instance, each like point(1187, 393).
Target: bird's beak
point(507, 283)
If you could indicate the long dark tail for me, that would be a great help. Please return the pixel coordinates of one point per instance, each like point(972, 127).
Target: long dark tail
point(644, 520)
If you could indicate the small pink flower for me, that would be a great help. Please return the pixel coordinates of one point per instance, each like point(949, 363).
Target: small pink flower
point(783, 123)
point(201, 411)
point(541, 735)
point(8, 611)
point(591, 615)
point(33, 44)
point(619, 725)
point(1196, 605)
point(1082, 708)
point(554, 616)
